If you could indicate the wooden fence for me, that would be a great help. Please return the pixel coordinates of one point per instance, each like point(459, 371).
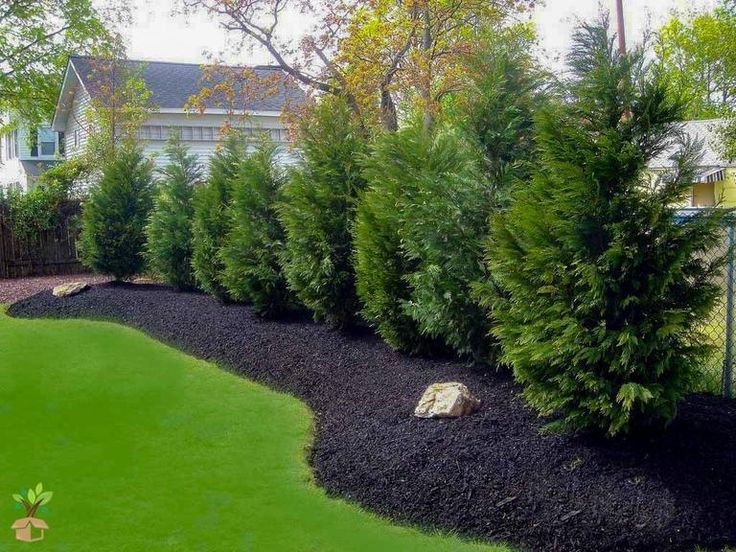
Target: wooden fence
point(52, 252)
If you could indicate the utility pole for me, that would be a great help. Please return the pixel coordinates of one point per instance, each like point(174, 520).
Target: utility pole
point(621, 28)
point(626, 115)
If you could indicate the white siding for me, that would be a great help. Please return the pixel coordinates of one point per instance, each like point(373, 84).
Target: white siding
point(12, 173)
point(204, 149)
point(154, 149)
point(77, 124)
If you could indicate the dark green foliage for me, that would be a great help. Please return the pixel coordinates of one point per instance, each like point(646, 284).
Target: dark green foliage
point(448, 222)
point(497, 108)
point(318, 213)
point(602, 291)
point(211, 218)
point(255, 241)
point(169, 229)
point(380, 263)
point(38, 210)
point(115, 214)
point(424, 188)
point(424, 223)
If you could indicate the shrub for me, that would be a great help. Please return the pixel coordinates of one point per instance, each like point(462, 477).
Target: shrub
point(114, 216)
point(318, 213)
point(447, 223)
point(169, 229)
point(395, 225)
point(601, 290)
point(38, 210)
point(211, 219)
point(255, 240)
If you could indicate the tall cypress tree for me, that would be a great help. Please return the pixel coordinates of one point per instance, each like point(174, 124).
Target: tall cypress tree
point(601, 289)
point(169, 229)
point(318, 212)
point(256, 238)
point(114, 216)
point(211, 217)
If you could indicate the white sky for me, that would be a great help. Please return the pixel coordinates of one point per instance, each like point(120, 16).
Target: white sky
point(157, 33)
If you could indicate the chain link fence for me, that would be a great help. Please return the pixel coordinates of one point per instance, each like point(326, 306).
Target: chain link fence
point(717, 376)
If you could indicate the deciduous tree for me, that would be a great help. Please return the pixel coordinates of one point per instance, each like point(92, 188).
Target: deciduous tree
point(36, 38)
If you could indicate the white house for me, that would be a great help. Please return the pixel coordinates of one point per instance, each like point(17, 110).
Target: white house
point(715, 177)
point(171, 86)
point(26, 152)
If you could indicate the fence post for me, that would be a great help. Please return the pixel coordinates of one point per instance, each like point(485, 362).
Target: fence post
point(728, 357)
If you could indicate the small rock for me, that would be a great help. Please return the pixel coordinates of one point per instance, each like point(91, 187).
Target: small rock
point(446, 400)
point(70, 288)
point(144, 280)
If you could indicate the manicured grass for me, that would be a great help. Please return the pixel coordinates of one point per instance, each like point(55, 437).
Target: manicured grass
point(146, 448)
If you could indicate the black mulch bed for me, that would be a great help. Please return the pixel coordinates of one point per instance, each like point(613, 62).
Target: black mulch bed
point(492, 474)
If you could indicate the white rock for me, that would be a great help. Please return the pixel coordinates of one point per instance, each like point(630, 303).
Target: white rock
point(70, 288)
point(446, 400)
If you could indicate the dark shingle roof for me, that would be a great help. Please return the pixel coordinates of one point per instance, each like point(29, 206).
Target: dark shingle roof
point(172, 84)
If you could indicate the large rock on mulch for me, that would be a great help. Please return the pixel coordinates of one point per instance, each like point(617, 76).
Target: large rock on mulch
point(446, 400)
point(70, 288)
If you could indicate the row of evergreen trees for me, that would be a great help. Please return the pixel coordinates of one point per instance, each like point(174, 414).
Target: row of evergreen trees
point(521, 228)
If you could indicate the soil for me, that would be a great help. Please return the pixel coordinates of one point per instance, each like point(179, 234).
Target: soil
point(14, 289)
point(493, 474)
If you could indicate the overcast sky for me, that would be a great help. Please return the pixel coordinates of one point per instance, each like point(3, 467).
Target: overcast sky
point(159, 34)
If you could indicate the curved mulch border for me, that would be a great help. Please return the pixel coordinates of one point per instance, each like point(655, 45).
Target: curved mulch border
point(491, 474)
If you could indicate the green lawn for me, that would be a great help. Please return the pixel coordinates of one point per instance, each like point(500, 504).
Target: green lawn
point(146, 448)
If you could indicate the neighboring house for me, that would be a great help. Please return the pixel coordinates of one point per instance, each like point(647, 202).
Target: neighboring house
point(26, 153)
point(171, 86)
point(715, 181)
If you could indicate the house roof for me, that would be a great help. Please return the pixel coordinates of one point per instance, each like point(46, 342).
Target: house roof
point(172, 84)
point(262, 88)
point(706, 131)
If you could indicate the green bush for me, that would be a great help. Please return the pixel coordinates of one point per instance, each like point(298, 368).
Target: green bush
point(38, 210)
point(169, 230)
point(67, 177)
point(255, 240)
point(114, 216)
point(397, 226)
point(447, 223)
point(496, 110)
point(318, 212)
point(601, 290)
point(210, 224)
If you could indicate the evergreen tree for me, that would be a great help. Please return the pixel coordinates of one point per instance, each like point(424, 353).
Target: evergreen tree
point(255, 240)
point(114, 216)
point(447, 223)
point(318, 212)
point(169, 229)
point(395, 224)
point(210, 224)
point(601, 289)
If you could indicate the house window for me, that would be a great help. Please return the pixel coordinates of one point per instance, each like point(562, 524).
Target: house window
point(186, 133)
point(76, 138)
point(208, 134)
point(11, 144)
point(47, 140)
point(62, 143)
point(34, 144)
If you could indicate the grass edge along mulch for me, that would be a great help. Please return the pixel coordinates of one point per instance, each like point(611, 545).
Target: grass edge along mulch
point(490, 475)
point(147, 448)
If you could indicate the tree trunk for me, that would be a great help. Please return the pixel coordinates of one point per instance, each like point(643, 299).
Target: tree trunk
point(427, 77)
point(388, 111)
